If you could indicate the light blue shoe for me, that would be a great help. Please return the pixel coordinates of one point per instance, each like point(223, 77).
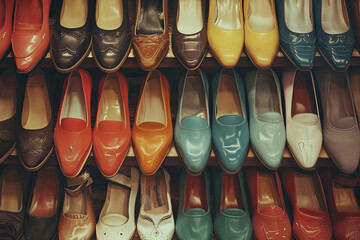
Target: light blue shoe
point(267, 130)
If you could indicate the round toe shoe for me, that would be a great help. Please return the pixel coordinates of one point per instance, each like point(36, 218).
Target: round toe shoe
point(302, 56)
point(233, 224)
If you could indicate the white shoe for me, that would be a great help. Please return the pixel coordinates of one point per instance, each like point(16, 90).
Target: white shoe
point(156, 220)
point(117, 217)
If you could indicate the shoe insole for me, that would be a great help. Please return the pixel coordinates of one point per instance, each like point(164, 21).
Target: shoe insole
point(151, 108)
point(11, 191)
point(303, 99)
point(340, 106)
point(266, 94)
point(228, 99)
point(345, 199)
point(29, 15)
point(268, 193)
point(74, 106)
point(111, 107)
point(36, 112)
point(74, 13)
point(45, 196)
point(117, 211)
point(227, 14)
point(309, 192)
point(298, 17)
point(195, 192)
point(334, 16)
point(156, 194)
point(231, 193)
point(190, 18)
point(2, 13)
point(260, 16)
point(75, 206)
point(109, 14)
point(151, 18)
point(7, 96)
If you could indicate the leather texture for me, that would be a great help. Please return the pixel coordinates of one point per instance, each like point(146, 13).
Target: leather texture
point(230, 133)
point(354, 14)
point(354, 79)
point(6, 27)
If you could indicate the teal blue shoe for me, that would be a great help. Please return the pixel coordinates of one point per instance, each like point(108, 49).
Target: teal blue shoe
point(230, 128)
point(194, 215)
point(267, 130)
point(192, 128)
point(232, 219)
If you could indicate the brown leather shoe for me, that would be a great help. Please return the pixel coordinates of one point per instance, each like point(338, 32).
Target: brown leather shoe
point(355, 20)
point(151, 34)
point(189, 36)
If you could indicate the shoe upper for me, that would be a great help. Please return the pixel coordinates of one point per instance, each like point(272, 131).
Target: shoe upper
point(6, 29)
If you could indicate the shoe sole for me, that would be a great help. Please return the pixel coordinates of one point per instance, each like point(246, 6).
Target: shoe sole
point(8, 153)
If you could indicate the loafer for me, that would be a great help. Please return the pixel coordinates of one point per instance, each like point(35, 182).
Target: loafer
point(354, 14)
point(230, 128)
point(354, 79)
point(192, 128)
point(6, 26)
point(44, 205)
point(343, 204)
point(232, 219)
point(335, 37)
point(35, 143)
point(151, 33)
point(152, 131)
point(156, 219)
point(303, 125)
point(117, 217)
point(307, 197)
point(72, 136)
point(71, 37)
point(267, 130)
point(269, 217)
point(194, 212)
point(341, 134)
point(261, 32)
point(226, 31)
point(10, 91)
point(297, 32)
point(111, 137)
point(31, 36)
point(111, 35)
point(77, 221)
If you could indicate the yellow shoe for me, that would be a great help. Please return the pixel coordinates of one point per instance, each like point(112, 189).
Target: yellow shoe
point(226, 31)
point(261, 32)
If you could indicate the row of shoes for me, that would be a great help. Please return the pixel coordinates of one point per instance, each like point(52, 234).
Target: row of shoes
point(229, 28)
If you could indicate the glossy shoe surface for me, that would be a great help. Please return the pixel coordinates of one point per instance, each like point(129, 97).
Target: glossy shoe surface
point(6, 17)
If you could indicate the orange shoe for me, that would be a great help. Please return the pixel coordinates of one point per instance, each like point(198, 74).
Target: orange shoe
point(6, 17)
point(72, 135)
point(152, 131)
point(111, 136)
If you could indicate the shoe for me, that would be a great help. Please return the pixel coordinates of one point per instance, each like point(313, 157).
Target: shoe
point(111, 34)
point(189, 38)
point(297, 32)
point(269, 219)
point(6, 21)
point(306, 194)
point(111, 137)
point(31, 36)
point(343, 204)
point(192, 128)
point(151, 33)
point(230, 128)
point(77, 219)
point(354, 79)
point(71, 37)
point(44, 208)
point(354, 14)
point(267, 130)
point(117, 217)
point(10, 112)
point(152, 131)
point(156, 220)
point(14, 190)
point(194, 212)
point(341, 133)
point(232, 220)
point(261, 32)
point(35, 143)
point(226, 31)
point(303, 125)
point(72, 136)
point(335, 37)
